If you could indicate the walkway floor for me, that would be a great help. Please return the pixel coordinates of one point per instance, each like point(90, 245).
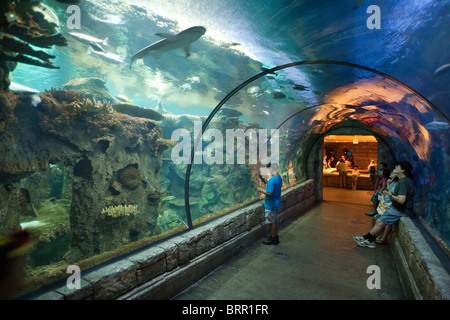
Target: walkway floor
point(316, 259)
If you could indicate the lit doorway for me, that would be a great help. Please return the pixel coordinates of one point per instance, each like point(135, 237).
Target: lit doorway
point(359, 150)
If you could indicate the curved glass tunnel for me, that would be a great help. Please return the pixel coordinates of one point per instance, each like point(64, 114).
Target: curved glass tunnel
point(405, 124)
point(95, 150)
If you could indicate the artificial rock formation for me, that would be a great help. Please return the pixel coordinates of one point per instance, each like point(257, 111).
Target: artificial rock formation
point(111, 161)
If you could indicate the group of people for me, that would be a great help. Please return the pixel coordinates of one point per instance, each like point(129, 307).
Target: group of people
point(342, 168)
point(392, 199)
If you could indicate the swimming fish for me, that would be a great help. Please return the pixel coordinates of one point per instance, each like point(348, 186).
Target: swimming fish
point(437, 125)
point(254, 91)
point(299, 87)
point(168, 198)
point(278, 95)
point(123, 98)
point(88, 39)
point(107, 56)
point(97, 47)
point(194, 79)
point(441, 70)
point(170, 42)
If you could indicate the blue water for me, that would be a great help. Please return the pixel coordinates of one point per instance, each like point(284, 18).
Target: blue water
point(243, 38)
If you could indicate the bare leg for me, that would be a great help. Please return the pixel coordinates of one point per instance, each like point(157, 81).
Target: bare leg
point(274, 229)
point(377, 228)
point(387, 232)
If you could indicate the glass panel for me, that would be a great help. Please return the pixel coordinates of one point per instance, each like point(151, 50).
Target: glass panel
point(94, 154)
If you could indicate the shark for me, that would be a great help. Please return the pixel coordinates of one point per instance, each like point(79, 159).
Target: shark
point(170, 42)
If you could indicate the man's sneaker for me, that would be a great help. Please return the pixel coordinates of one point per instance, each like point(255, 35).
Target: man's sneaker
point(272, 240)
point(371, 213)
point(358, 238)
point(366, 243)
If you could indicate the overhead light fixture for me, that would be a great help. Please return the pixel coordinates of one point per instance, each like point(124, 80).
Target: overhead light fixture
point(355, 140)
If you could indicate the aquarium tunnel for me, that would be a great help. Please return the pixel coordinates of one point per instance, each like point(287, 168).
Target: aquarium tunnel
point(146, 120)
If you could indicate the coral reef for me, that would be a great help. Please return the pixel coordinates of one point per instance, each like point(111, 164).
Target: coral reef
point(120, 211)
point(24, 24)
point(94, 146)
point(92, 88)
point(63, 95)
point(89, 106)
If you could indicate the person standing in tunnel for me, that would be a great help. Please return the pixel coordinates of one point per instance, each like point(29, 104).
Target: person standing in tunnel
point(402, 205)
point(341, 167)
point(372, 169)
point(272, 202)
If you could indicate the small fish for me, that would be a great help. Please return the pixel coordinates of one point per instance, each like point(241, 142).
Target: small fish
point(441, 70)
point(88, 39)
point(299, 87)
point(185, 87)
point(210, 182)
point(123, 98)
point(437, 125)
point(107, 56)
point(97, 47)
point(168, 198)
point(170, 42)
point(194, 79)
point(254, 91)
point(278, 95)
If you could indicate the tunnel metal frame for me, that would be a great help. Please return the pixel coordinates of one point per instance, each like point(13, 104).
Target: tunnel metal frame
point(272, 70)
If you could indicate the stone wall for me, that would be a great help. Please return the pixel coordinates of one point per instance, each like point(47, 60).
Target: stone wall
point(168, 267)
point(422, 274)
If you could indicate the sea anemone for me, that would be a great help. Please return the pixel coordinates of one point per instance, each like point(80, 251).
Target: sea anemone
point(130, 178)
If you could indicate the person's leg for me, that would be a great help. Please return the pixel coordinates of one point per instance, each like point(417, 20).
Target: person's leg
point(387, 232)
point(274, 229)
point(272, 219)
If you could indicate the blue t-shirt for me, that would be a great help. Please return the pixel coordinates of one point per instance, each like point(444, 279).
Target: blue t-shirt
point(273, 202)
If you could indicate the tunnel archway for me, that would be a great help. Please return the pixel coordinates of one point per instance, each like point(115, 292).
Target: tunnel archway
point(399, 121)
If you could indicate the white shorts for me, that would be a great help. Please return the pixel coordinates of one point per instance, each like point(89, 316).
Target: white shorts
point(271, 216)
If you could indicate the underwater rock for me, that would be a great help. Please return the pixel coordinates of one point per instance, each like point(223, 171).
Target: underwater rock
point(65, 95)
point(94, 149)
point(136, 111)
point(91, 88)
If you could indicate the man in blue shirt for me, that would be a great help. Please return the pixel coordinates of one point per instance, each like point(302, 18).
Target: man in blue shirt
point(272, 202)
